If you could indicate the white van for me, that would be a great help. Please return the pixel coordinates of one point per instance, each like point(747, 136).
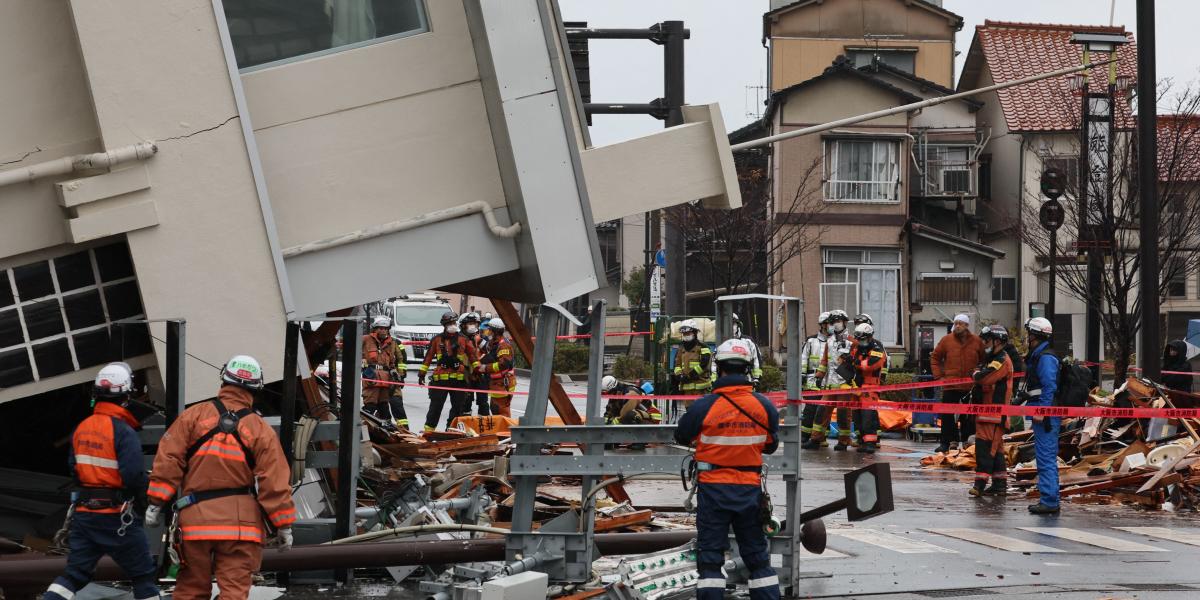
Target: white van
point(416, 317)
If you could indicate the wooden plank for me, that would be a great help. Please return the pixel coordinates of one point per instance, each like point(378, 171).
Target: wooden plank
point(1102, 485)
point(640, 517)
point(558, 396)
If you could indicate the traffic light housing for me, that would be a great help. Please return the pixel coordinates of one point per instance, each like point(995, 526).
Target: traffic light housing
point(1053, 183)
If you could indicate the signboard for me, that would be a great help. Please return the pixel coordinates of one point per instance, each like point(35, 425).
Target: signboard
point(1097, 140)
point(656, 277)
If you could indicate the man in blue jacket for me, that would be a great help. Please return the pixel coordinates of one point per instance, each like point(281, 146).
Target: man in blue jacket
point(1041, 383)
point(732, 428)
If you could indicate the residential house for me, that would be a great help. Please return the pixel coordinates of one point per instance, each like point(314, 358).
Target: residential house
point(1029, 128)
point(1179, 180)
point(804, 36)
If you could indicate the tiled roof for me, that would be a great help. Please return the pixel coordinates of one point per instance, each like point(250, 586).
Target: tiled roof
point(1017, 50)
point(841, 66)
point(1179, 147)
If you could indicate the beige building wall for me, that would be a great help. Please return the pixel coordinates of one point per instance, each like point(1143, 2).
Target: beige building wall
point(795, 60)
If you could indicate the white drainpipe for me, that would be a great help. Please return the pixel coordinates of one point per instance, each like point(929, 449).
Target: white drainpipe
point(79, 162)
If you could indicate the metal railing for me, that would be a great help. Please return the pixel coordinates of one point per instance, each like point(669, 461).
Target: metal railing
point(948, 178)
point(947, 290)
point(841, 190)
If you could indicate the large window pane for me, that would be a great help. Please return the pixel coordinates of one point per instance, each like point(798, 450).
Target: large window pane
point(33, 281)
point(123, 300)
point(92, 348)
point(114, 262)
point(53, 358)
point(43, 319)
point(84, 310)
point(6, 295)
point(14, 368)
point(265, 31)
point(10, 329)
point(74, 271)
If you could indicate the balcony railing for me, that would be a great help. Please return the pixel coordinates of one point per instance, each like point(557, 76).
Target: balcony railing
point(840, 190)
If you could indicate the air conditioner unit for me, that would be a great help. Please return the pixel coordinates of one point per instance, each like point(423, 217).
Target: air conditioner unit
point(955, 182)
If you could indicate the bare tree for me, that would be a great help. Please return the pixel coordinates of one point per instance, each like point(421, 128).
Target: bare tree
point(740, 250)
point(1179, 210)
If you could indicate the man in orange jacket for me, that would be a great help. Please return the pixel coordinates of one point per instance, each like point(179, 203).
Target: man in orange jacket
point(955, 357)
point(496, 364)
point(732, 428)
point(106, 458)
point(225, 465)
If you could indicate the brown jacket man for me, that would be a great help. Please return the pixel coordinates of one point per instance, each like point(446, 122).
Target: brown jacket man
point(380, 355)
point(233, 482)
point(956, 356)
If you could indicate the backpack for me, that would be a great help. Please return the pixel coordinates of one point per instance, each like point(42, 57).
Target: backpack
point(1074, 384)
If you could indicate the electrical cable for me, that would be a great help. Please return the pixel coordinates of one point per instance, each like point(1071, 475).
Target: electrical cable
point(419, 529)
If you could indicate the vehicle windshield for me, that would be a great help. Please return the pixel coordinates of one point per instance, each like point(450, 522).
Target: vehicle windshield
point(419, 315)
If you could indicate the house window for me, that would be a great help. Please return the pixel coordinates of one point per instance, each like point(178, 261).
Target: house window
point(1004, 289)
point(904, 60)
point(947, 170)
point(860, 280)
point(56, 316)
point(1177, 279)
point(862, 170)
point(946, 288)
point(268, 32)
point(1069, 166)
point(609, 239)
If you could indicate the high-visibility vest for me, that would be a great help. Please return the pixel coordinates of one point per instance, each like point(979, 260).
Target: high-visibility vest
point(733, 440)
point(94, 448)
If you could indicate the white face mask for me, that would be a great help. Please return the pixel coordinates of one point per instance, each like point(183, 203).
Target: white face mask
point(452, 329)
point(472, 329)
point(839, 327)
point(688, 337)
point(737, 331)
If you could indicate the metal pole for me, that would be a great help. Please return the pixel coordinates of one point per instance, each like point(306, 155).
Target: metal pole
point(287, 407)
point(673, 37)
point(595, 409)
point(1090, 233)
point(1149, 357)
point(909, 107)
point(793, 337)
point(1053, 275)
point(535, 413)
point(176, 343)
point(349, 435)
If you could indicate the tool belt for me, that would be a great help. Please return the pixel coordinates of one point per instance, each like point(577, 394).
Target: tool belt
point(705, 466)
point(205, 495)
point(96, 498)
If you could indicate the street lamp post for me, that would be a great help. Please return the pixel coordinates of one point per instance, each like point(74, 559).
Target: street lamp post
point(1051, 216)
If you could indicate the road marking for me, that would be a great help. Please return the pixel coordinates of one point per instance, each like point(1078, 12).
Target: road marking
point(891, 542)
point(994, 540)
point(1093, 539)
point(1174, 535)
point(829, 553)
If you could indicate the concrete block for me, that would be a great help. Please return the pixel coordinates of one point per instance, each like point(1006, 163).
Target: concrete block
point(103, 223)
point(90, 189)
point(522, 586)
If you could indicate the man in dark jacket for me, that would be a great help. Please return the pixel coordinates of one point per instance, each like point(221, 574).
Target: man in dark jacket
point(1175, 359)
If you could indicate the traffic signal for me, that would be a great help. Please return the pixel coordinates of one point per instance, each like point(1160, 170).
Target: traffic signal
point(1053, 183)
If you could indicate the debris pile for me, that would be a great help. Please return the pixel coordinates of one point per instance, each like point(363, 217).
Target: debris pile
point(1147, 463)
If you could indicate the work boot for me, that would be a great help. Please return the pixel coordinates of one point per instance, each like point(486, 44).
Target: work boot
point(977, 489)
point(814, 444)
point(842, 444)
point(867, 448)
point(1042, 509)
point(999, 487)
point(805, 436)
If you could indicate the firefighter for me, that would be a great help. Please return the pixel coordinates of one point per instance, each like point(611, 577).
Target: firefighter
point(836, 345)
point(1015, 422)
point(739, 333)
point(496, 364)
point(811, 354)
point(693, 361)
point(455, 357)
point(861, 318)
point(225, 466)
point(628, 411)
point(993, 385)
point(869, 358)
point(1041, 383)
point(470, 326)
point(380, 374)
point(110, 492)
point(732, 429)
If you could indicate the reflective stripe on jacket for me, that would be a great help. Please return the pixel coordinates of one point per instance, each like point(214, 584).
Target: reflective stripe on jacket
point(995, 385)
point(221, 464)
point(106, 453)
point(694, 368)
point(727, 437)
point(456, 346)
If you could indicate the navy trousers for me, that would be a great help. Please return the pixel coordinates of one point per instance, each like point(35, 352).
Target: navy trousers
point(92, 536)
point(719, 507)
point(1045, 447)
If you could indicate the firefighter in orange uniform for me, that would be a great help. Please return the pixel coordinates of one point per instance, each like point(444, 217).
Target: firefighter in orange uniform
point(993, 385)
point(227, 469)
point(455, 357)
point(379, 350)
point(870, 359)
point(497, 365)
point(732, 428)
point(107, 460)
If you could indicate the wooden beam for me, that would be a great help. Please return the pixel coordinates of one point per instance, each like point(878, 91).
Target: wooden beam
point(523, 340)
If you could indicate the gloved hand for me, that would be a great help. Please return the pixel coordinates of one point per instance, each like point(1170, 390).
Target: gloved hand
point(153, 516)
point(420, 379)
point(284, 539)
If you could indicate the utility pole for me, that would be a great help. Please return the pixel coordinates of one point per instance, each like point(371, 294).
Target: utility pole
point(1147, 83)
point(673, 35)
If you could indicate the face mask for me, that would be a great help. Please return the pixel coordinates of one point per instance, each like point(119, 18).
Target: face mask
point(472, 329)
point(687, 337)
point(737, 331)
point(452, 329)
point(839, 327)
point(381, 334)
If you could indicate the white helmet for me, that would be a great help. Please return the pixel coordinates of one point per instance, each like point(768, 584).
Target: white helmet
point(471, 317)
point(838, 315)
point(1039, 325)
point(823, 318)
point(609, 383)
point(243, 371)
point(689, 324)
point(115, 380)
point(381, 321)
point(864, 330)
point(495, 323)
point(735, 350)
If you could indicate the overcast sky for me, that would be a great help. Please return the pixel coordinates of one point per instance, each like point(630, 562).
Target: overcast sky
point(726, 60)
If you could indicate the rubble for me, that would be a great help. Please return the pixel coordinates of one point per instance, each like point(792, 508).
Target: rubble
point(1108, 460)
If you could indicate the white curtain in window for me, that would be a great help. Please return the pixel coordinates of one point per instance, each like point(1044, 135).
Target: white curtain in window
point(353, 21)
point(880, 298)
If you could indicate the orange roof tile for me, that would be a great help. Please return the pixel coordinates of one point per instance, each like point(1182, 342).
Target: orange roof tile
point(1179, 147)
point(1017, 50)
